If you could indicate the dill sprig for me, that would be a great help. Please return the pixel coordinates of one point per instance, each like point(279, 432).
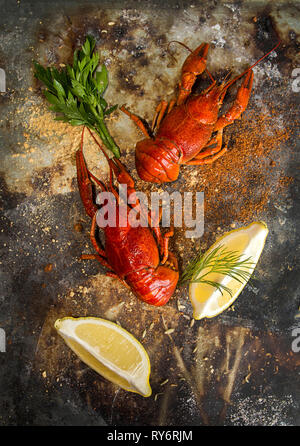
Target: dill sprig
point(76, 92)
point(221, 261)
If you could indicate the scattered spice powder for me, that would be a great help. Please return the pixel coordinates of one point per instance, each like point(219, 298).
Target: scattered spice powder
point(240, 184)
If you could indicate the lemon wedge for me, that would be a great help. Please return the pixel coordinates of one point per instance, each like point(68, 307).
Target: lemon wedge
point(208, 301)
point(109, 350)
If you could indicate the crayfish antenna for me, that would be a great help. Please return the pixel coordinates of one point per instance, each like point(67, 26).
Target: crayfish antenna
point(98, 144)
point(110, 162)
point(179, 43)
point(85, 185)
point(228, 84)
point(88, 172)
point(116, 167)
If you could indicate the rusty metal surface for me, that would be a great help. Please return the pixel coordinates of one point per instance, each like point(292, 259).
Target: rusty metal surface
point(235, 369)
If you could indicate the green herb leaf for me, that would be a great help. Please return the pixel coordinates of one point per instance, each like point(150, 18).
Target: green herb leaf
point(110, 110)
point(78, 89)
point(76, 92)
point(86, 48)
point(51, 98)
point(59, 88)
point(221, 261)
point(102, 79)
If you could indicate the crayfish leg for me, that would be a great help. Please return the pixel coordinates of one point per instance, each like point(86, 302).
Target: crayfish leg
point(95, 244)
point(159, 114)
point(135, 119)
point(208, 160)
point(166, 245)
point(95, 257)
point(212, 151)
point(101, 256)
point(239, 105)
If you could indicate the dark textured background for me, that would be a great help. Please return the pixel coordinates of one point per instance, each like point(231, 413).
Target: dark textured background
point(236, 369)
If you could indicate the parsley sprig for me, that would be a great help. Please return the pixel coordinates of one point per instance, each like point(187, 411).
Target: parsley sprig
point(222, 261)
point(76, 92)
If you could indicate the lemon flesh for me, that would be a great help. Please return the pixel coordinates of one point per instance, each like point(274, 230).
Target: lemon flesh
point(207, 301)
point(109, 350)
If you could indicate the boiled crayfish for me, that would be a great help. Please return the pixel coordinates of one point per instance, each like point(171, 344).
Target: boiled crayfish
point(189, 130)
point(137, 256)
